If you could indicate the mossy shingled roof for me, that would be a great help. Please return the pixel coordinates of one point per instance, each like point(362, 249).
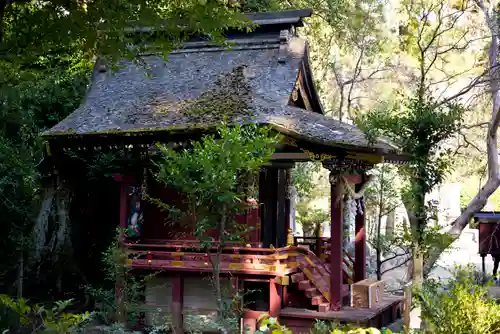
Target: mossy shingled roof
point(200, 86)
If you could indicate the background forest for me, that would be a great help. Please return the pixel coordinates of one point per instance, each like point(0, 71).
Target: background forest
point(369, 57)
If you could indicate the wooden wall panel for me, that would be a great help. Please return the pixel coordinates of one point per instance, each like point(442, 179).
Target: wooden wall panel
point(158, 300)
point(200, 307)
point(157, 223)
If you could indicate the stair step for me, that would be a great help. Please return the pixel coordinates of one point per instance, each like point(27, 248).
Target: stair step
point(324, 307)
point(317, 300)
point(312, 292)
point(306, 284)
point(297, 277)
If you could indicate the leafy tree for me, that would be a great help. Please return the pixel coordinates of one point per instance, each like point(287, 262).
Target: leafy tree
point(303, 179)
point(382, 198)
point(33, 30)
point(311, 219)
point(30, 101)
point(419, 127)
point(210, 175)
point(422, 123)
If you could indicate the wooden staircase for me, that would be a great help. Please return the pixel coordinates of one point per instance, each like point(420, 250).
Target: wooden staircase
point(314, 280)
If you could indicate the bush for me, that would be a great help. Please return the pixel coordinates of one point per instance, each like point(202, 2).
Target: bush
point(459, 306)
point(39, 319)
point(268, 324)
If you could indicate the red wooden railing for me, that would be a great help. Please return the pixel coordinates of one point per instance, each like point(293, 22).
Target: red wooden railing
point(189, 256)
point(321, 247)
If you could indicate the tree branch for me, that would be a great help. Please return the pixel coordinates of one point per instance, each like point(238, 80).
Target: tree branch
point(396, 255)
point(398, 266)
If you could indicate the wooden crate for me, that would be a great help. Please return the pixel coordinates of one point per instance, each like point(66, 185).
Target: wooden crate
point(367, 293)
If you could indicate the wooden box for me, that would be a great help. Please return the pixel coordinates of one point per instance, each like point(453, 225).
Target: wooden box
point(367, 293)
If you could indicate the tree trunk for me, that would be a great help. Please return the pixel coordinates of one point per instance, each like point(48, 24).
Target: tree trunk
point(493, 181)
point(379, 226)
point(389, 225)
point(378, 250)
point(221, 314)
point(20, 275)
point(41, 228)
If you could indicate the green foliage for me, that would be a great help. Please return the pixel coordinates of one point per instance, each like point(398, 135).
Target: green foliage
point(268, 324)
point(303, 178)
point(40, 319)
point(383, 194)
point(460, 306)
point(419, 126)
point(258, 5)
point(115, 269)
point(30, 101)
point(35, 30)
point(311, 219)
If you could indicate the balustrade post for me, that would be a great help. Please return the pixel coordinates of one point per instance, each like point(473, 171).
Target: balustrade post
point(318, 247)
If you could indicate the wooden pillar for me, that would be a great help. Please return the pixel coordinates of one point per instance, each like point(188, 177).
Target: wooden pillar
point(360, 241)
point(262, 205)
point(178, 303)
point(281, 216)
point(121, 282)
point(274, 299)
point(336, 241)
point(285, 299)
point(288, 203)
point(269, 182)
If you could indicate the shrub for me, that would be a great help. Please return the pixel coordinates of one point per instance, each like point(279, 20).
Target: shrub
point(268, 324)
point(458, 306)
point(39, 319)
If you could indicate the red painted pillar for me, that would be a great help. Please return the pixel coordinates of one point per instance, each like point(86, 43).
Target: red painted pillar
point(360, 243)
point(125, 182)
point(123, 204)
point(249, 323)
point(288, 204)
point(120, 284)
point(336, 242)
point(274, 299)
point(178, 303)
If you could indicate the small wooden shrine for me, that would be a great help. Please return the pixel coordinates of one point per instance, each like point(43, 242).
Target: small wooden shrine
point(488, 224)
point(264, 78)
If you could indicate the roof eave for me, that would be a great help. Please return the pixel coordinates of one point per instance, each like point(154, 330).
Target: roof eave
point(391, 156)
point(311, 90)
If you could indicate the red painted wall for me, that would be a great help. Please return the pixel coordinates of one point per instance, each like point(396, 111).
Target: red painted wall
point(158, 225)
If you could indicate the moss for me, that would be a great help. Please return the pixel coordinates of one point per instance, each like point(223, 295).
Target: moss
point(231, 97)
point(60, 133)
